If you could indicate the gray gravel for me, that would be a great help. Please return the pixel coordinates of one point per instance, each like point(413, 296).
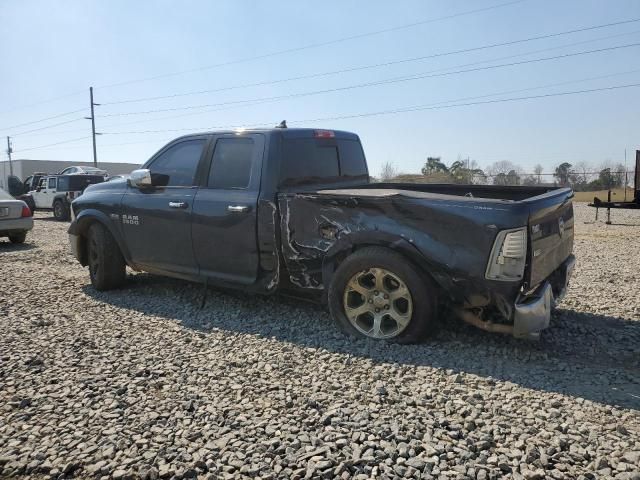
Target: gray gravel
point(142, 383)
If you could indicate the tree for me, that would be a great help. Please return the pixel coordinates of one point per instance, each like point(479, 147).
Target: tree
point(388, 172)
point(538, 171)
point(619, 176)
point(605, 178)
point(582, 171)
point(466, 171)
point(563, 172)
point(504, 173)
point(434, 165)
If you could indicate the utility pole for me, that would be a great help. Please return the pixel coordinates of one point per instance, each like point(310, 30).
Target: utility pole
point(93, 126)
point(9, 151)
point(625, 174)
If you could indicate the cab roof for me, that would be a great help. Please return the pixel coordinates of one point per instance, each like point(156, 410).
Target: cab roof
point(284, 132)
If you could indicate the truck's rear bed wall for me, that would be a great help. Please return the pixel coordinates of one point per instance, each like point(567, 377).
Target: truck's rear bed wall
point(498, 192)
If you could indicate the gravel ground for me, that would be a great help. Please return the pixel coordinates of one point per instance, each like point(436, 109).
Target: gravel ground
point(143, 383)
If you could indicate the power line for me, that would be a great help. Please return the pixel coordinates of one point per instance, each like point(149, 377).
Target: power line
point(52, 144)
point(382, 64)
point(377, 82)
point(42, 102)
point(47, 126)
point(390, 112)
point(43, 119)
point(317, 45)
point(530, 52)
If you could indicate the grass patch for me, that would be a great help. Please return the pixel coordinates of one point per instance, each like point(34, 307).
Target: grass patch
point(617, 195)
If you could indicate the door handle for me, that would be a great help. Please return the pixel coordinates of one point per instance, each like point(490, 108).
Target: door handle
point(238, 208)
point(178, 204)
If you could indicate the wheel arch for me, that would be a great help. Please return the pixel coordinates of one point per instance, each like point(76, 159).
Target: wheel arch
point(80, 227)
point(396, 243)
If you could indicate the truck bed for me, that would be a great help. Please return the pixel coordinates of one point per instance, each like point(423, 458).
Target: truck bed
point(494, 192)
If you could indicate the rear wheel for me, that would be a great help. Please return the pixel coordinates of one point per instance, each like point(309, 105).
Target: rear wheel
point(60, 211)
point(376, 293)
point(107, 268)
point(18, 237)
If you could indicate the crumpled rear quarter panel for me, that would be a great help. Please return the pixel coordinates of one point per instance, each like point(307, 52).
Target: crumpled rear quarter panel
point(451, 238)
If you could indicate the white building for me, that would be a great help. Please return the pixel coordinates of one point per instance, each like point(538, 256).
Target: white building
point(22, 168)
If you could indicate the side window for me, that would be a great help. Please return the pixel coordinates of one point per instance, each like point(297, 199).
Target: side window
point(63, 184)
point(231, 164)
point(43, 183)
point(52, 182)
point(307, 160)
point(179, 163)
point(352, 162)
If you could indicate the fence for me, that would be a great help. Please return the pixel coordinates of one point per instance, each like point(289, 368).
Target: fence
point(580, 181)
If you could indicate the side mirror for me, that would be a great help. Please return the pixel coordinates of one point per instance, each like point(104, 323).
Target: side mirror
point(140, 178)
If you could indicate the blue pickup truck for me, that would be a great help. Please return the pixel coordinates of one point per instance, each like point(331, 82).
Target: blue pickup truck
point(294, 210)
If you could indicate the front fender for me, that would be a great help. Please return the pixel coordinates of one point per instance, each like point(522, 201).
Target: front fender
point(80, 226)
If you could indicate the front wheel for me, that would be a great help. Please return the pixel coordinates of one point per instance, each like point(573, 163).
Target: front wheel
point(376, 293)
point(107, 268)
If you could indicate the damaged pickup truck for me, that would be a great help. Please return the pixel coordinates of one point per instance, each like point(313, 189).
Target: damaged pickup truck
point(293, 210)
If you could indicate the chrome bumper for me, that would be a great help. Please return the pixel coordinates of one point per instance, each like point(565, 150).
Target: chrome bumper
point(532, 313)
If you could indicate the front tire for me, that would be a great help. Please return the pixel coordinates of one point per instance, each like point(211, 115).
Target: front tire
point(376, 293)
point(18, 237)
point(107, 268)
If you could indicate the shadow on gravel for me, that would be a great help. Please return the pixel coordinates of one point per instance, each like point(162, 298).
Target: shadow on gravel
point(594, 357)
point(50, 218)
point(7, 246)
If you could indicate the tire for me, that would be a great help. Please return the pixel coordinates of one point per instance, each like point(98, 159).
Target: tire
point(107, 268)
point(60, 211)
point(371, 278)
point(18, 237)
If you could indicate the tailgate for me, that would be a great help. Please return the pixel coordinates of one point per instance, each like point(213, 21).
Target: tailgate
point(551, 233)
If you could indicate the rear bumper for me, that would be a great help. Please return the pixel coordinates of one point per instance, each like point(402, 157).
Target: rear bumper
point(532, 313)
point(15, 225)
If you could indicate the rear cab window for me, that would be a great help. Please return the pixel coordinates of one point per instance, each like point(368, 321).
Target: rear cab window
point(231, 164)
point(334, 158)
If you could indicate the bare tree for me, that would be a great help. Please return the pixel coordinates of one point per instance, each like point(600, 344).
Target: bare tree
point(538, 171)
point(388, 172)
point(582, 169)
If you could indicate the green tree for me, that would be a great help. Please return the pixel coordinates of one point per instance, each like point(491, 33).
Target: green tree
point(563, 173)
point(464, 171)
point(434, 165)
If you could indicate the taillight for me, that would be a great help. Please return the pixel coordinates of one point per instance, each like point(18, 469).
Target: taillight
point(26, 211)
point(508, 256)
point(325, 134)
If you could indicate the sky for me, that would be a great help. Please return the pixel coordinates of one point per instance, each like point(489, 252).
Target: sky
point(51, 52)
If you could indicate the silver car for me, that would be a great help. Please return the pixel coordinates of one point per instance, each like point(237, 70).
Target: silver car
point(15, 218)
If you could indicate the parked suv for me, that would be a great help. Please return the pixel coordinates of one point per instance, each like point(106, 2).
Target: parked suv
point(56, 192)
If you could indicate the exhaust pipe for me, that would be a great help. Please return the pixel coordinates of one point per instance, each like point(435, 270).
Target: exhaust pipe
point(471, 318)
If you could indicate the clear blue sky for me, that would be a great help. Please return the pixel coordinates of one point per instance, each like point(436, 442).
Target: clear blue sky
point(53, 48)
